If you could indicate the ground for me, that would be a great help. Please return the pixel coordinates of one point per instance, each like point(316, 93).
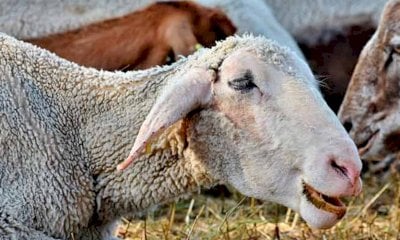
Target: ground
point(375, 214)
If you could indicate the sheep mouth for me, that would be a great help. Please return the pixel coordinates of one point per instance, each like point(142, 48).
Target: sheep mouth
point(323, 202)
point(367, 144)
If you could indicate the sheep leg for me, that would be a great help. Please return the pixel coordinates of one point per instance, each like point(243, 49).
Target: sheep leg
point(12, 229)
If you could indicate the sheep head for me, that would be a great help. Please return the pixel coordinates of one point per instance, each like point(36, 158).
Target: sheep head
point(258, 122)
point(370, 110)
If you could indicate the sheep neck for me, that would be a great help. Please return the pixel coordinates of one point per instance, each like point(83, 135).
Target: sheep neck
point(110, 124)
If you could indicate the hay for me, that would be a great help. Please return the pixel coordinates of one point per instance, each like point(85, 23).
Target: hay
point(375, 214)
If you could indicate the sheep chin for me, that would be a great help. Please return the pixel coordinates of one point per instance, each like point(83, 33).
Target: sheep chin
point(315, 217)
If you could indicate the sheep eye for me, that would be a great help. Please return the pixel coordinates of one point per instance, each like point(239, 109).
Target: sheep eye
point(244, 83)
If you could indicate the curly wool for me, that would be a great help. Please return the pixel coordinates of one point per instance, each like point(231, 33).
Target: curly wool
point(66, 127)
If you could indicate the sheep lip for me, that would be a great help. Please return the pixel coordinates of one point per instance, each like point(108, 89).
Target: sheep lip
point(324, 202)
point(368, 143)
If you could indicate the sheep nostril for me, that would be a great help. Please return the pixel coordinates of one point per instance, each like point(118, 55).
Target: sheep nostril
point(339, 169)
point(348, 125)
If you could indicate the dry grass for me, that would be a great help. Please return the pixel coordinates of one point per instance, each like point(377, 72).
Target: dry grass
point(373, 215)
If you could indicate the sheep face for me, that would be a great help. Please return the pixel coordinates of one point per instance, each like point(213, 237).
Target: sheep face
point(277, 140)
point(370, 110)
point(264, 131)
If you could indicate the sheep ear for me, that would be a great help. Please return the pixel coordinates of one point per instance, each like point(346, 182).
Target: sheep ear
point(183, 95)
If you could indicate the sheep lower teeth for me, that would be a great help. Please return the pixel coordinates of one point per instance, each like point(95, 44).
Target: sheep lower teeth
point(324, 202)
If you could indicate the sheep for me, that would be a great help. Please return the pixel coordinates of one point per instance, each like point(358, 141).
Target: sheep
point(317, 25)
point(328, 32)
point(252, 16)
point(370, 110)
point(255, 17)
point(156, 35)
point(331, 35)
point(309, 22)
point(25, 19)
point(65, 128)
point(313, 21)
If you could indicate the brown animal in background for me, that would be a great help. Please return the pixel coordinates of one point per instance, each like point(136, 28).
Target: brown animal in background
point(371, 108)
point(142, 39)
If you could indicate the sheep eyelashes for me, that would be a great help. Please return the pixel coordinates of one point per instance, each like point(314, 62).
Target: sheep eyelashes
point(188, 92)
point(243, 84)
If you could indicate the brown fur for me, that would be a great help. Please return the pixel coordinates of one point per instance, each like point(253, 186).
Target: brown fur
point(371, 104)
point(141, 39)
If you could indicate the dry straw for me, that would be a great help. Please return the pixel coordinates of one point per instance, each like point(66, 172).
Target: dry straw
point(375, 214)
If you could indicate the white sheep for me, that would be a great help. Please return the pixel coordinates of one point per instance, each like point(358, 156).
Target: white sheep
point(246, 112)
point(255, 17)
point(308, 21)
point(250, 16)
point(25, 19)
point(313, 21)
